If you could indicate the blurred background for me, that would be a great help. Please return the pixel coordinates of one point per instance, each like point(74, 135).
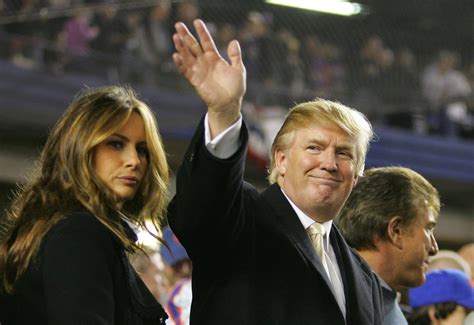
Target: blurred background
point(407, 64)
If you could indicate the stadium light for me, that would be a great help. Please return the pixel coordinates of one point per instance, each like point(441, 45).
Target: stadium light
point(335, 7)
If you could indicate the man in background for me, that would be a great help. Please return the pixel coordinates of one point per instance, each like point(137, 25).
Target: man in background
point(389, 219)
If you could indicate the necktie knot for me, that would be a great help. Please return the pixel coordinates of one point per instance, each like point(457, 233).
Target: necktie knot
point(316, 229)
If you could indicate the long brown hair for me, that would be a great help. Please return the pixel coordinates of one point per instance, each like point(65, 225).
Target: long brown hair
point(65, 179)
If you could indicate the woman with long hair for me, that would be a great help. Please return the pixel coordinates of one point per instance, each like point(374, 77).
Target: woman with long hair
point(64, 260)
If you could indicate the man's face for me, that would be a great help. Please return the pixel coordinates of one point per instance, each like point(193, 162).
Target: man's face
point(418, 244)
point(318, 170)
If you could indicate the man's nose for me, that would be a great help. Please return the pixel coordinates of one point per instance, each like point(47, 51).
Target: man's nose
point(328, 160)
point(434, 246)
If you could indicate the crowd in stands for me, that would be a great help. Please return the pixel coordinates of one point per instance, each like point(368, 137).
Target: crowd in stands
point(131, 41)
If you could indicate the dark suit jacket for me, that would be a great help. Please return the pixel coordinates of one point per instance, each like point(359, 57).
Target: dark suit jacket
point(253, 262)
point(81, 275)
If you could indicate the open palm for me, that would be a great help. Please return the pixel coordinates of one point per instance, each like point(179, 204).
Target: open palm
point(220, 84)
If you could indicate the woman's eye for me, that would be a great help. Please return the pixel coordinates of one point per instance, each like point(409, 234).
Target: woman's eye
point(142, 151)
point(115, 144)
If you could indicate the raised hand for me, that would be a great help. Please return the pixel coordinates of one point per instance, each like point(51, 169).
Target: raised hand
point(220, 84)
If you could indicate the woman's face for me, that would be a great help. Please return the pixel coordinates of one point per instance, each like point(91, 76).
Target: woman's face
point(121, 160)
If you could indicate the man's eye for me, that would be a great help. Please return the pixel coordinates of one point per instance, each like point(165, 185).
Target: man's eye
point(115, 144)
point(313, 148)
point(345, 154)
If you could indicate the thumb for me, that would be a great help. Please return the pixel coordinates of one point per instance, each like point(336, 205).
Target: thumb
point(235, 54)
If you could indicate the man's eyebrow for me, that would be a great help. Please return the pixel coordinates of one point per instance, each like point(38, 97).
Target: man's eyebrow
point(346, 146)
point(343, 145)
point(432, 224)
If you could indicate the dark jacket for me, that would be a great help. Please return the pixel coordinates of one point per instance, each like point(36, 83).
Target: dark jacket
point(253, 262)
point(81, 275)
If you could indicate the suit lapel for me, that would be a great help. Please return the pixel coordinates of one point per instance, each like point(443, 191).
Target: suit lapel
point(288, 224)
point(357, 281)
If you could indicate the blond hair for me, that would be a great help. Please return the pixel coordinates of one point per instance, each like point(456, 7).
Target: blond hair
point(65, 178)
point(322, 112)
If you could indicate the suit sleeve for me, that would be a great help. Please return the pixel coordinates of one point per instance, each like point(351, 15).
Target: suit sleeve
point(207, 213)
point(77, 276)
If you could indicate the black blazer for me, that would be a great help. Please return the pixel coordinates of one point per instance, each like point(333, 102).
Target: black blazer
point(253, 262)
point(81, 275)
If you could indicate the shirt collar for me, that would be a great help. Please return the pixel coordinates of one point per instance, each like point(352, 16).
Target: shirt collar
point(307, 221)
point(386, 288)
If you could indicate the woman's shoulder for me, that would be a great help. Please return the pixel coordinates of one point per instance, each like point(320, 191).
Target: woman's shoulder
point(78, 232)
point(79, 221)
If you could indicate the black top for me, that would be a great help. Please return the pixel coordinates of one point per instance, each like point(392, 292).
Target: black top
point(81, 275)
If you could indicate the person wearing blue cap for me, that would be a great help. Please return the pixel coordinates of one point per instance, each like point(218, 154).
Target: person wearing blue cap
point(447, 297)
point(178, 269)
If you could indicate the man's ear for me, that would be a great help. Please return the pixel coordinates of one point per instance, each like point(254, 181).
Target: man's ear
point(395, 231)
point(280, 161)
point(354, 182)
point(432, 315)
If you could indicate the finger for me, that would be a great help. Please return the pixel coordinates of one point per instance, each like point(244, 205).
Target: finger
point(178, 62)
point(207, 42)
point(186, 56)
point(235, 54)
point(184, 69)
point(189, 40)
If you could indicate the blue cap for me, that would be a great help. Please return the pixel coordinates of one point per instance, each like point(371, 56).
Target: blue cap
point(446, 285)
point(175, 252)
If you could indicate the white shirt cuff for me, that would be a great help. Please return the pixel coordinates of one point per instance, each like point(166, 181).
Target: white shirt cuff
point(226, 143)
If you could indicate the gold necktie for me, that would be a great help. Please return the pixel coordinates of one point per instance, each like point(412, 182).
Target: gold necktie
point(316, 233)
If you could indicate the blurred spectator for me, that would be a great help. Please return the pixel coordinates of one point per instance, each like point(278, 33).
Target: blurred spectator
point(130, 68)
point(112, 31)
point(315, 65)
point(289, 77)
point(79, 32)
point(19, 52)
point(389, 218)
point(258, 53)
point(151, 44)
point(59, 4)
point(446, 91)
point(399, 91)
point(178, 270)
point(467, 253)
point(17, 6)
point(337, 73)
point(373, 59)
point(110, 41)
point(186, 11)
point(147, 266)
point(405, 78)
point(446, 298)
point(224, 34)
point(446, 259)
